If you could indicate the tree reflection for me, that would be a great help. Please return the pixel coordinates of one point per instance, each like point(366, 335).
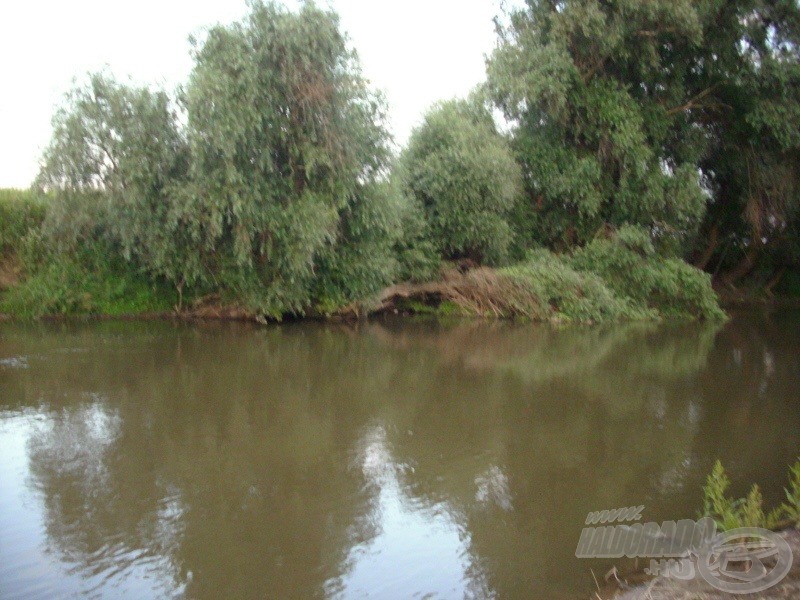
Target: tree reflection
point(312, 461)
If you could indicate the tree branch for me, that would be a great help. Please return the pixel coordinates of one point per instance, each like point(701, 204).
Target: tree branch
point(693, 102)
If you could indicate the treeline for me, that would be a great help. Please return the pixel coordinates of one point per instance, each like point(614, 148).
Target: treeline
point(636, 136)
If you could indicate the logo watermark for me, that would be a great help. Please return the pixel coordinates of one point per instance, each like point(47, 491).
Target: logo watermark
point(740, 561)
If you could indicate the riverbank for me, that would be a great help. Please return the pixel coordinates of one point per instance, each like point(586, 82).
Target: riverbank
point(54, 268)
point(607, 281)
point(458, 291)
point(456, 294)
point(662, 588)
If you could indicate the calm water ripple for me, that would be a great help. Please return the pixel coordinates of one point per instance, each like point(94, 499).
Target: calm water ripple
point(389, 459)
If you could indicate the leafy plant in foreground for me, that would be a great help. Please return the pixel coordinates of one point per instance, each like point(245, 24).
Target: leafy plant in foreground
point(731, 513)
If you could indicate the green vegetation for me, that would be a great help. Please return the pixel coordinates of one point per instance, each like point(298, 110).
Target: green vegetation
point(629, 265)
point(93, 282)
point(732, 513)
point(679, 116)
point(606, 280)
point(270, 195)
point(639, 139)
point(464, 175)
point(792, 506)
point(20, 212)
point(570, 295)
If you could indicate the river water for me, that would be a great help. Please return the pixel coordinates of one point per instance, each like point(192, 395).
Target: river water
point(389, 459)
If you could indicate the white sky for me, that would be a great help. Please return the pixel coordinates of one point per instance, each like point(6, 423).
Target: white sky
point(416, 51)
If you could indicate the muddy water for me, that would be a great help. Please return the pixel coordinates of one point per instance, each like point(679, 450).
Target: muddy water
point(392, 459)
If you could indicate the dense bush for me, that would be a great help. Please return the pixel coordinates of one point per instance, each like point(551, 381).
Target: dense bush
point(587, 86)
point(363, 260)
point(271, 196)
point(629, 265)
point(584, 288)
point(679, 116)
point(287, 146)
point(20, 212)
point(90, 281)
point(269, 185)
point(417, 255)
point(116, 154)
point(464, 175)
point(568, 294)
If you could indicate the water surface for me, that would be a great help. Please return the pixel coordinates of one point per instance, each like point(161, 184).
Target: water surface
point(391, 459)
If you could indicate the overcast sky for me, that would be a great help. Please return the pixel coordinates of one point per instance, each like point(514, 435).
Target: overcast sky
point(417, 51)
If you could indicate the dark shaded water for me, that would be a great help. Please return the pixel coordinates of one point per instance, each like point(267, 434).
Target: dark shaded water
point(387, 460)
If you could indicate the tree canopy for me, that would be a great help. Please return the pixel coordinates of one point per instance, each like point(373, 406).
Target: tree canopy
point(285, 137)
point(116, 155)
point(462, 172)
point(275, 179)
point(647, 113)
point(613, 142)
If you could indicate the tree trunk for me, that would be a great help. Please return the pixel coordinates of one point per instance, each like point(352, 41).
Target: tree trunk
point(746, 265)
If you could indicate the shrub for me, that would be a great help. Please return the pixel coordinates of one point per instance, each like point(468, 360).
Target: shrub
point(91, 281)
point(731, 513)
point(792, 507)
point(287, 140)
point(362, 260)
point(417, 256)
point(116, 154)
point(569, 294)
point(629, 265)
point(270, 194)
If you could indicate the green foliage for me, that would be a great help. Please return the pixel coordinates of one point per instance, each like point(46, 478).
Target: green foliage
point(272, 195)
point(417, 256)
point(567, 294)
point(117, 152)
point(363, 260)
point(731, 513)
point(630, 267)
point(679, 116)
point(268, 183)
point(20, 212)
point(589, 87)
point(792, 506)
point(463, 174)
point(287, 145)
point(93, 281)
point(753, 163)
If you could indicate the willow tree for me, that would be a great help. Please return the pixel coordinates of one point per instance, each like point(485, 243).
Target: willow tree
point(463, 173)
point(287, 145)
point(747, 84)
point(116, 154)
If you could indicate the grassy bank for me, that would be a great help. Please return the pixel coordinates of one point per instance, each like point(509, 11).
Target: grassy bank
point(37, 279)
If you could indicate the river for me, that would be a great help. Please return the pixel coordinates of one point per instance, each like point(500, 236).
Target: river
point(386, 459)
